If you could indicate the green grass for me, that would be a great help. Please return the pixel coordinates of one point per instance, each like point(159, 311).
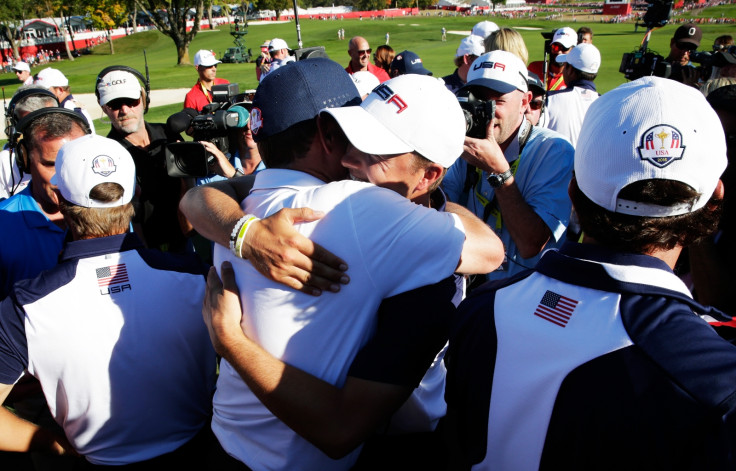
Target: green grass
point(420, 34)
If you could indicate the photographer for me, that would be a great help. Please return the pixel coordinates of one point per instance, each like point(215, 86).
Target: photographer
point(685, 41)
point(244, 161)
point(562, 41)
point(124, 101)
point(515, 179)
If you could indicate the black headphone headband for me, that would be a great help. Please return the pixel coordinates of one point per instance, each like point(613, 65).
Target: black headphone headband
point(20, 128)
point(22, 94)
point(124, 68)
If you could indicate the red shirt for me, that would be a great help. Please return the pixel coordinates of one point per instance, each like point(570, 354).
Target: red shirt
point(197, 99)
point(554, 81)
point(381, 74)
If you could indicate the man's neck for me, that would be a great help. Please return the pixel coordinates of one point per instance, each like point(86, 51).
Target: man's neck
point(140, 138)
point(250, 159)
point(359, 68)
point(50, 210)
point(207, 84)
point(507, 143)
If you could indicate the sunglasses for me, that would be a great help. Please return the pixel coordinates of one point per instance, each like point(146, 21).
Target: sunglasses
point(364, 51)
point(536, 104)
point(686, 46)
point(208, 66)
point(558, 48)
point(116, 105)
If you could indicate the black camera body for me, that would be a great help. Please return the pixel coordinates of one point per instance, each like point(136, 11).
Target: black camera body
point(643, 63)
point(478, 113)
point(213, 124)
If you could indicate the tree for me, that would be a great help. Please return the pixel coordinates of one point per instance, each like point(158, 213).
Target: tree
point(170, 17)
point(11, 18)
point(107, 15)
point(277, 5)
point(54, 9)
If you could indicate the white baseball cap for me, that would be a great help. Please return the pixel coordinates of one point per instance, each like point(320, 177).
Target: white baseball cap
point(471, 45)
point(364, 81)
point(565, 36)
point(118, 84)
point(21, 66)
point(484, 29)
point(277, 44)
point(50, 77)
point(85, 162)
point(584, 57)
point(205, 58)
point(650, 128)
point(501, 71)
point(405, 114)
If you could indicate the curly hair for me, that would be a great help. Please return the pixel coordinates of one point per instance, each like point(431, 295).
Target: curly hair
point(637, 234)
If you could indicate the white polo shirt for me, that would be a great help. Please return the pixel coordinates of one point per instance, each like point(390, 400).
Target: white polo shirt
point(390, 244)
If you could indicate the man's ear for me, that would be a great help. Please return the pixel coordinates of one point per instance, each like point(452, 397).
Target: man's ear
point(432, 173)
point(526, 99)
point(331, 136)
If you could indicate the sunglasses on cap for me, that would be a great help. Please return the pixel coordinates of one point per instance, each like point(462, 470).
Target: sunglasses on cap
point(686, 46)
point(120, 102)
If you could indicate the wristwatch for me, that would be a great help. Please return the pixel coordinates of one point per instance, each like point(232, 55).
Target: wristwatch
point(497, 180)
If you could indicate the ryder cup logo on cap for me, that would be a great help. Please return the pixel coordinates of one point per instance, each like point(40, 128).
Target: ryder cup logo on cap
point(296, 93)
point(565, 36)
point(85, 162)
point(584, 57)
point(500, 71)
point(205, 58)
point(118, 84)
point(651, 128)
point(472, 45)
point(409, 113)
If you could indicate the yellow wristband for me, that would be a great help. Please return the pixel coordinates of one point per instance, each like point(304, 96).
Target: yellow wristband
point(241, 235)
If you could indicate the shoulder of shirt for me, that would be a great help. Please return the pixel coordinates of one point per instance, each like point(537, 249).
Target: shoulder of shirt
point(15, 202)
point(550, 136)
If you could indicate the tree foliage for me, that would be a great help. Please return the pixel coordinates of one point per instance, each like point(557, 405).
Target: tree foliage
point(107, 15)
point(170, 17)
point(11, 17)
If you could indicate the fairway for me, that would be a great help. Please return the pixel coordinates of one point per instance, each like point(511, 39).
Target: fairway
point(420, 34)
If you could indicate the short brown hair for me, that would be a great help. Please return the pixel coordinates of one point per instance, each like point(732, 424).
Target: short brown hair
point(90, 223)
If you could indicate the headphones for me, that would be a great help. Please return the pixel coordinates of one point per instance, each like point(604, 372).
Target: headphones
point(19, 96)
point(21, 151)
point(130, 70)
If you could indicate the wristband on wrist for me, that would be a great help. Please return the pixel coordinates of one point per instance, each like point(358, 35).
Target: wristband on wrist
point(238, 173)
point(241, 234)
point(236, 231)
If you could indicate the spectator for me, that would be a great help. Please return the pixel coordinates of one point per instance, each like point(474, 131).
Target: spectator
point(562, 41)
point(55, 81)
point(157, 219)
point(567, 108)
point(471, 47)
point(515, 179)
point(507, 39)
point(484, 29)
point(38, 228)
point(387, 38)
point(407, 62)
point(721, 43)
point(325, 82)
point(95, 327)
point(201, 93)
point(572, 352)
point(360, 59)
point(585, 35)
point(536, 113)
point(280, 55)
point(711, 260)
point(444, 34)
point(685, 40)
point(26, 99)
point(263, 62)
point(23, 72)
point(383, 57)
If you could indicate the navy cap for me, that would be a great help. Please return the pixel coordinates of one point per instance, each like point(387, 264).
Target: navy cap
point(407, 62)
point(535, 84)
point(297, 92)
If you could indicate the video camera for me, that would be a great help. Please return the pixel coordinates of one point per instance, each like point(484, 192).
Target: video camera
point(214, 124)
point(478, 113)
point(644, 62)
point(708, 59)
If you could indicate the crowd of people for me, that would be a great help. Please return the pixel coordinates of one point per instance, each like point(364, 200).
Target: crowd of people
point(496, 269)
